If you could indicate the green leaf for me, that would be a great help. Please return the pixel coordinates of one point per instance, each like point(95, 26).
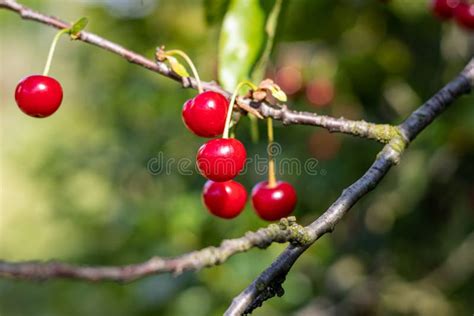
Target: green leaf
point(77, 27)
point(270, 29)
point(241, 41)
point(214, 10)
point(177, 67)
point(245, 43)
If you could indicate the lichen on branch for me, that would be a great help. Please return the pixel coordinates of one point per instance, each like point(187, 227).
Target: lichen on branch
point(287, 230)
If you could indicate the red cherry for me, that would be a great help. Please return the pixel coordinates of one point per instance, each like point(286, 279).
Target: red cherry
point(221, 159)
point(224, 199)
point(444, 9)
point(271, 204)
point(38, 96)
point(464, 14)
point(205, 114)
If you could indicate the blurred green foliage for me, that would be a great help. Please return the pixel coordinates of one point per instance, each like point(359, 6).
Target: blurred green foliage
point(76, 186)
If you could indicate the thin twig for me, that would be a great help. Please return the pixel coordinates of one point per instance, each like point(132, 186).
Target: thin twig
point(286, 231)
point(379, 132)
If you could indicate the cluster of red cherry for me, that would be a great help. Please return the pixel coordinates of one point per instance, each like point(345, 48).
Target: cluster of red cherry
point(221, 159)
point(206, 115)
point(461, 10)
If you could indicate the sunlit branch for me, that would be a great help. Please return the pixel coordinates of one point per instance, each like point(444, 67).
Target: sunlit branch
point(285, 231)
point(379, 132)
point(269, 283)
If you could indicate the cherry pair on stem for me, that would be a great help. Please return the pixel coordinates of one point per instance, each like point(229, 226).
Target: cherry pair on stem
point(209, 115)
point(271, 199)
point(227, 199)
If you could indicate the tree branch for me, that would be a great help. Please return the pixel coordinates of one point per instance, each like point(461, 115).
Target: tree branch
point(379, 132)
point(287, 230)
point(269, 283)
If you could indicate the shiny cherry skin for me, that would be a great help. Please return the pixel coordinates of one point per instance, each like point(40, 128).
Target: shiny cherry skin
point(221, 159)
point(205, 114)
point(444, 9)
point(224, 199)
point(464, 14)
point(38, 96)
point(271, 204)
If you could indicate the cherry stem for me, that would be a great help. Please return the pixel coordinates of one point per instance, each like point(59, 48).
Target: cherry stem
point(253, 128)
point(271, 161)
point(190, 64)
point(231, 105)
point(52, 49)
